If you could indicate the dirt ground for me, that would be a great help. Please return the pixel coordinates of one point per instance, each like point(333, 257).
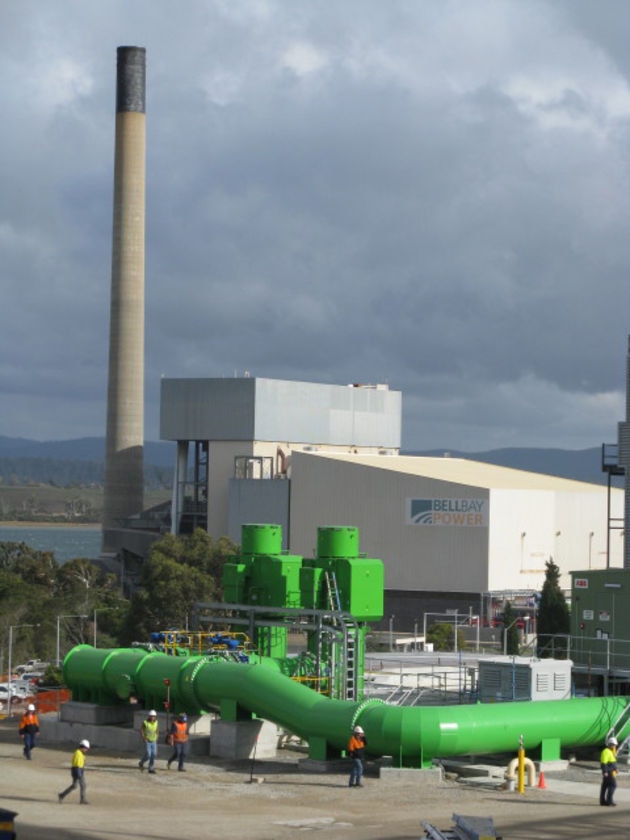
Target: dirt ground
point(225, 800)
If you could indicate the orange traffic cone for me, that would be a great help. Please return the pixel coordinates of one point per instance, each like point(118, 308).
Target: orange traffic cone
point(541, 781)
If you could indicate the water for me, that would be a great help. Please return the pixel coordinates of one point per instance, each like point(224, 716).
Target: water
point(66, 543)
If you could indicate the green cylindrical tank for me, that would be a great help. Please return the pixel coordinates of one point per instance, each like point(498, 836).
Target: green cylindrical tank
point(101, 675)
point(342, 541)
point(261, 539)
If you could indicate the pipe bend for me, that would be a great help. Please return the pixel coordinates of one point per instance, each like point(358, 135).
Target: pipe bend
point(510, 773)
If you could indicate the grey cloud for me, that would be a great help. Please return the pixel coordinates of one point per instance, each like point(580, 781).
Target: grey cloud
point(356, 192)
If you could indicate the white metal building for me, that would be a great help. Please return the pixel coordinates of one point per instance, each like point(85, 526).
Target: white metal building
point(449, 524)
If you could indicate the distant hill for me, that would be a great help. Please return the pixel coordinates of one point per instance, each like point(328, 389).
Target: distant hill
point(158, 453)
point(75, 463)
point(64, 463)
point(579, 465)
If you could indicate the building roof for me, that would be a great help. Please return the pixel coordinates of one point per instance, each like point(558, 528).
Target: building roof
point(463, 471)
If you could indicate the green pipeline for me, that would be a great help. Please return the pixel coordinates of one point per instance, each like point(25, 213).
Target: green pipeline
point(413, 736)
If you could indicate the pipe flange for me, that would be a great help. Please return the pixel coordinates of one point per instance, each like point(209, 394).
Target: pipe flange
point(372, 701)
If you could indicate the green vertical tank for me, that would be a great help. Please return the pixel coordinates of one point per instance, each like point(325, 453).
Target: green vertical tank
point(337, 541)
point(261, 539)
point(264, 576)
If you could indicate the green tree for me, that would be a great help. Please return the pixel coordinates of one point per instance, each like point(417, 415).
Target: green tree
point(179, 571)
point(553, 614)
point(78, 581)
point(40, 596)
point(199, 551)
point(27, 595)
point(509, 635)
point(442, 636)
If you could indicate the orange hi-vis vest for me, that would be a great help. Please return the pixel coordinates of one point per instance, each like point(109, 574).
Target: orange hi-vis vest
point(29, 722)
point(180, 731)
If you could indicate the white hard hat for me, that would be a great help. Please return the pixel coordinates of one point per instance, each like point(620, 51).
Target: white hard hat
point(612, 742)
point(358, 730)
point(30, 708)
point(152, 713)
point(85, 744)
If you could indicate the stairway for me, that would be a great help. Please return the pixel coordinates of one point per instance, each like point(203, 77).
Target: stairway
point(622, 722)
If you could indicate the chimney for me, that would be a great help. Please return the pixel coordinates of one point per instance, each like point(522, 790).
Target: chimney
point(125, 392)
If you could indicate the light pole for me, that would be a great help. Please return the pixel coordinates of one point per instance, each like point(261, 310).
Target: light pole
point(11, 629)
point(391, 632)
point(59, 617)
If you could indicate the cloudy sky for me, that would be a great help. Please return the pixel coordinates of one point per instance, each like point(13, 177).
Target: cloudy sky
point(427, 193)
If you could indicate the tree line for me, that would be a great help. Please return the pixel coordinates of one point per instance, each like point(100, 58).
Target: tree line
point(39, 597)
point(58, 472)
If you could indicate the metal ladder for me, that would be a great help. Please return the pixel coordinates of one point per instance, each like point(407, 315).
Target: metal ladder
point(350, 631)
point(332, 590)
point(617, 728)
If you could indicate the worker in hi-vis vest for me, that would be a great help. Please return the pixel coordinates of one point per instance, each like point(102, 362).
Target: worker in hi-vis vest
point(179, 740)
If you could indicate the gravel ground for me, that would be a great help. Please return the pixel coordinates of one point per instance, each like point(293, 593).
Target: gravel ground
point(275, 800)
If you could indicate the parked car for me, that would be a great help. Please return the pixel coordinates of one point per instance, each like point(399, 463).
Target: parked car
point(4, 692)
point(24, 687)
point(32, 666)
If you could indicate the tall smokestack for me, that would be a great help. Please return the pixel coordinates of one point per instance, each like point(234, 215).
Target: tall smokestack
point(125, 392)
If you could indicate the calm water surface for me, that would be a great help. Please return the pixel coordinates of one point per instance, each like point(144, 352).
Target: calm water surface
point(65, 543)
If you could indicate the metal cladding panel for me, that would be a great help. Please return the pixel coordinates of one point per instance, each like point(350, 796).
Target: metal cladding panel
point(207, 409)
point(333, 415)
point(624, 444)
point(278, 410)
point(375, 501)
point(529, 527)
point(253, 500)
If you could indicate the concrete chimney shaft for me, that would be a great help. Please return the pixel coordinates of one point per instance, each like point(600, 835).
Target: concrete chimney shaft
point(125, 393)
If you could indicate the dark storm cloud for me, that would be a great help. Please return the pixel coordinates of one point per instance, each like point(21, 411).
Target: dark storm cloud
point(433, 195)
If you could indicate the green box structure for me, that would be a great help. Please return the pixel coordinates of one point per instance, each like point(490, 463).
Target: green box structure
point(600, 619)
point(339, 583)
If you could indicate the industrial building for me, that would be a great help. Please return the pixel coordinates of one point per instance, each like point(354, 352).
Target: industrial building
point(455, 535)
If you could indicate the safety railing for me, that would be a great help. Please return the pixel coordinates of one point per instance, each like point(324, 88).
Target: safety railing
point(588, 652)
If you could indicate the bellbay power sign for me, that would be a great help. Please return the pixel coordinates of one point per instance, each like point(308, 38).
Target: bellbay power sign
point(462, 513)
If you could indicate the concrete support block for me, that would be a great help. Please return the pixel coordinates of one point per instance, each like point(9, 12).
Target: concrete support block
point(107, 737)
point(243, 739)
point(92, 713)
point(97, 723)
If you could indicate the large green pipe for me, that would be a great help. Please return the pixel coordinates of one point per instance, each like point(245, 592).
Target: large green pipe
point(413, 736)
